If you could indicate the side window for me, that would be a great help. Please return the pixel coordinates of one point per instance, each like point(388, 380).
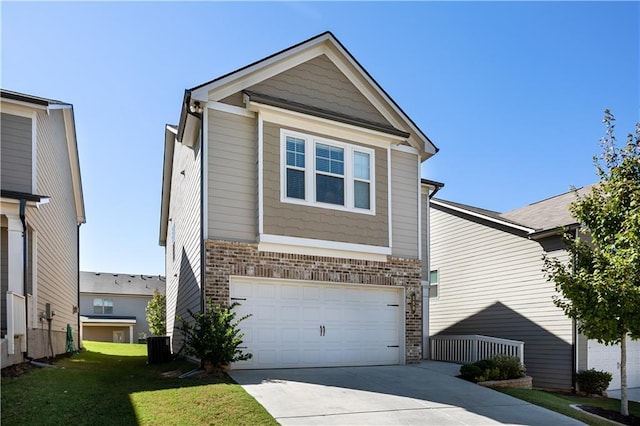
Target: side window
point(434, 277)
point(295, 167)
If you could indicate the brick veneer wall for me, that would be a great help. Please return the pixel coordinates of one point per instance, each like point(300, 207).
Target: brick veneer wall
point(226, 258)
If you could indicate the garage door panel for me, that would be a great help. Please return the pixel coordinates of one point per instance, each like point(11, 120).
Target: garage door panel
point(297, 324)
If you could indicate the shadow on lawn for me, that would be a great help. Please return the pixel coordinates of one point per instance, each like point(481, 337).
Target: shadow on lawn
point(91, 388)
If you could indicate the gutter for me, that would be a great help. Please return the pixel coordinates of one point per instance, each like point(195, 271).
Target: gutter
point(78, 305)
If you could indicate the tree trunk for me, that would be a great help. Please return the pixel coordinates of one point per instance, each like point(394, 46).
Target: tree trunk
point(624, 401)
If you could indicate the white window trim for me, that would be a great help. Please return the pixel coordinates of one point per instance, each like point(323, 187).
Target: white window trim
point(310, 172)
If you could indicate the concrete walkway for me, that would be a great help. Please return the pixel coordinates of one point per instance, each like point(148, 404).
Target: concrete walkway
point(426, 393)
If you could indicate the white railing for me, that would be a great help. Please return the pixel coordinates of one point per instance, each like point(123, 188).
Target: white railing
point(16, 325)
point(471, 348)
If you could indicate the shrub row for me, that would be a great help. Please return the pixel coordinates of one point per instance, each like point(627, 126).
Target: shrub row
point(593, 381)
point(499, 367)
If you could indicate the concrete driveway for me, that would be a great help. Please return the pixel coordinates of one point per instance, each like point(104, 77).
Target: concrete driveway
point(422, 394)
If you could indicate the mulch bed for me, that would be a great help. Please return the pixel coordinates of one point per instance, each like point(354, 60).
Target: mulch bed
point(630, 420)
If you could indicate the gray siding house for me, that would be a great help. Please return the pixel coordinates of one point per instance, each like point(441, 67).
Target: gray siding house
point(292, 186)
point(488, 280)
point(112, 306)
point(42, 209)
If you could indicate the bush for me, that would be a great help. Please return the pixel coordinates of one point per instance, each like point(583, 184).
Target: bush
point(593, 381)
point(214, 336)
point(500, 367)
point(156, 311)
point(510, 367)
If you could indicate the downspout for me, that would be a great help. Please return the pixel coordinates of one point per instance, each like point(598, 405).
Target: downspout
point(574, 338)
point(25, 271)
point(78, 302)
point(203, 255)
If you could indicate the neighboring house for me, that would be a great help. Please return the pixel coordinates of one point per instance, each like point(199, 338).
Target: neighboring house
point(301, 199)
point(42, 210)
point(112, 306)
point(488, 279)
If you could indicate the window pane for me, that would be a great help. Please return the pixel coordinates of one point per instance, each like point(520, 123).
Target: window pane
point(361, 165)
point(97, 302)
point(108, 309)
point(433, 277)
point(295, 152)
point(108, 302)
point(361, 195)
point(329, 159)
point(329, 189)
point(295, 184)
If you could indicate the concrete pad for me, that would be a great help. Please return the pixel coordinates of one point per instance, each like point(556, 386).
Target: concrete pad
point(426, 393)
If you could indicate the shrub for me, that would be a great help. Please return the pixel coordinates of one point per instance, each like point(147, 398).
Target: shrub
point(156, 311)
point(214, 336)
point(500, 367)
point(510, 367)
point(593, 381)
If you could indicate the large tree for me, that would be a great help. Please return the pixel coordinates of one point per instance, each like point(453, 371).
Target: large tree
point(600, 285)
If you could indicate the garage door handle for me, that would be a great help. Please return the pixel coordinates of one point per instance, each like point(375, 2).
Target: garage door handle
point(322, 330)
point(392, 305)
point(238, 298)
point(393, 346)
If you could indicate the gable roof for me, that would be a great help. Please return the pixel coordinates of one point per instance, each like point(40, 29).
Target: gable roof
point(121, 284)
point(327, 44)
point(536, 218)
point(38, 103)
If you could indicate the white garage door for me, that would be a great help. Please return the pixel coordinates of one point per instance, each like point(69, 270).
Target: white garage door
point(298, 324)
point(607, 358)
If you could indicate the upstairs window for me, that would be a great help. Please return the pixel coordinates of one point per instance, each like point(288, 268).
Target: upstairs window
point(326, 173)
point(434, 278)
point(102, 306)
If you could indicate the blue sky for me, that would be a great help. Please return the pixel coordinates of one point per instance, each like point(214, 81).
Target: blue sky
point(512, 93)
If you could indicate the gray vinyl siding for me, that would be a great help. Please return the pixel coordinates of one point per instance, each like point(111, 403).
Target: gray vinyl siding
point(183, 254)
point(491, 283)
point(319, 83)
point(4, 280)
point(305, 221)
point(17, 153)
point(56, 226)
point(404, 202)
point(129, 305)
point(232, 177)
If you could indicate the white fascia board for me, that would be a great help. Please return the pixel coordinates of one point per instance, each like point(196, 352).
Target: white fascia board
point(105, 322)
point(406, 148)
point(482, 216)
point(324, 126)
point(260, 71)
point(8, 103)
point(285, 244)
point(74, 161)
point(230, 109)
point(167, 171)
point(359, 80)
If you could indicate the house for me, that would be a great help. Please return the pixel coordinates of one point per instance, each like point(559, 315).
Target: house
point(487, 279)
point(112, 306)
point(42, 209)
point(292, 187)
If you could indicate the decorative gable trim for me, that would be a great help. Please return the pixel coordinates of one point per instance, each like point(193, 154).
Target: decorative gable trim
point(328, 45)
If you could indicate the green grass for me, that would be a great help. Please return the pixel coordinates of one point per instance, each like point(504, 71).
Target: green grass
point(111, 384)
point(561, 402)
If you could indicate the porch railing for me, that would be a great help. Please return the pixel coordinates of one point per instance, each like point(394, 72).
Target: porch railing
point(16, 325)
point(466, 349)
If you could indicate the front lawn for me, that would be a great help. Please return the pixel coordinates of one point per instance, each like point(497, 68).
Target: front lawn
point(111, 384)
point(560, 402)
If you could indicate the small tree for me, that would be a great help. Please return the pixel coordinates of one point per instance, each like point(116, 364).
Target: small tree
point(214, 336)
point(600, 285)
point(157, 314)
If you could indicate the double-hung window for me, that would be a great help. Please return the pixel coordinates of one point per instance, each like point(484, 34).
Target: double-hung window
point(102, 306)
point(326, 173)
